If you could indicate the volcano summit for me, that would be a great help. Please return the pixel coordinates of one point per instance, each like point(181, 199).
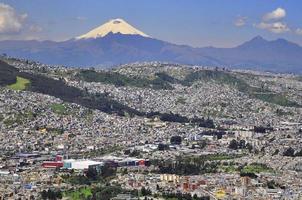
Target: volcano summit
point(118, 42)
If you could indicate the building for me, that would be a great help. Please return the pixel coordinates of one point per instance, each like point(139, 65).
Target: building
point(80, 164)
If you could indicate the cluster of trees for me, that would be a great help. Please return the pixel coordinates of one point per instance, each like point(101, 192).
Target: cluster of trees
point(273, 185)
point(7, 74)
point(161, 82)
point(51, 194)
point(249, 174)
point(134, 153)
point(167, 78)
point(206, 75)
point(290, 152)
point(171, 117)
point(60, 89)
point(92, 175)
point(216, 133)
point(175, 140)
point(105, 172)
point(202, 122)
point(145, 192)
point(163, 147)
point(262, 129)
point(105, 192)
point(184, 166)
point(186, 196)
point(241, 144)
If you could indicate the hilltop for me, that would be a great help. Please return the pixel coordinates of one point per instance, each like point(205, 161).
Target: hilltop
point(144, 88)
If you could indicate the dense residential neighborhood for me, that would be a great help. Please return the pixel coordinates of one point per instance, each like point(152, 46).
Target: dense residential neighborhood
point(170, 131)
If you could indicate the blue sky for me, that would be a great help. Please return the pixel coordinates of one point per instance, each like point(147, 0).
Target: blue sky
point(221, 23)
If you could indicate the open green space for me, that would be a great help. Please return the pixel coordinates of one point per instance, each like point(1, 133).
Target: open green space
point(83, 193)
point(256, 168)
point(58, 108)
point(21, 84)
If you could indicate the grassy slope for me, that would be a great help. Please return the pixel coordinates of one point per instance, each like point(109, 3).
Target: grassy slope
point(20, 84)
point(58, 108)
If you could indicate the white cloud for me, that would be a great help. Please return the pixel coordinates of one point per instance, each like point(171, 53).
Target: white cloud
point(35, 28)
point(275, 27)
point(277, 14)
point(299, 31)
point(240, 21)
point(10, 20)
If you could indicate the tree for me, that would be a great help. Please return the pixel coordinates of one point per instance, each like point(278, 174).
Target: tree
point(233, 144)
point(249, 147)
point(276, 152)
point(259, 129)
point(44, 195)
point(175, 140)
point(145, 192)
point(107, 171)
point(241, 144)
point(92, 173)
point(289, 152)
point(299, 153)
point(134, 153)
point(162, 147)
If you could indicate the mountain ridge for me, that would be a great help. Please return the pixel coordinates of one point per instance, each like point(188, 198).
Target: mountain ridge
point(112, 48)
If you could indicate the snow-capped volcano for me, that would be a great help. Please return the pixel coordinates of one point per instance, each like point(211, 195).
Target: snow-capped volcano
point(112, 26)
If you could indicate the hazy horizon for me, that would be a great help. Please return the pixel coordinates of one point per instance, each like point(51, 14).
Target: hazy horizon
point(197, 24)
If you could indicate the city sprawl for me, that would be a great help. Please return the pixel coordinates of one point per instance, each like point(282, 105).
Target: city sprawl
point(149, 131)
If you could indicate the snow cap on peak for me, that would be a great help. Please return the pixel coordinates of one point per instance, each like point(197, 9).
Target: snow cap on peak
point(112, 26)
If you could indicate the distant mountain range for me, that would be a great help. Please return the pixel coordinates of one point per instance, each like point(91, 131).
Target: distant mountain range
point(117, 42)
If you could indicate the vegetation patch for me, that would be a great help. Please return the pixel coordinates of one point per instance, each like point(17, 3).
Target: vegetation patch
point(181, 100)
point(229, 169)
point(221, 156)
point(278, 99)
point(83, 193)
point(229, 79)
point(58, 108)
point(7, 74)
point(19, 118)
point(21, 84)
point(161, 81)
point(256, 168)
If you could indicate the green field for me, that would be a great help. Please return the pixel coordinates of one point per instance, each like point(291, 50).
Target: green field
point(229, 169)
point(20, 84)
point(58, 108)
point(83, 193)
point(256, 168)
